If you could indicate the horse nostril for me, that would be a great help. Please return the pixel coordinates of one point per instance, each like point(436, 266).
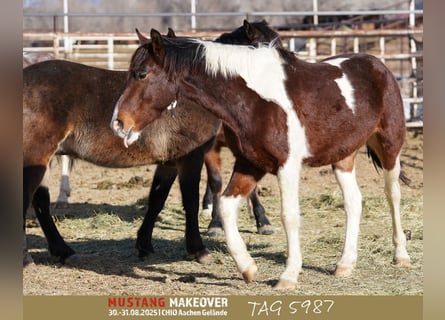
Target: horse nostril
point(118, 124)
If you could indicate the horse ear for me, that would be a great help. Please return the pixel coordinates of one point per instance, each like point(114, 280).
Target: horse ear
point(251, 31)
point(158, 46)
point(142, 40)
point(246, 25)
point(171, 33)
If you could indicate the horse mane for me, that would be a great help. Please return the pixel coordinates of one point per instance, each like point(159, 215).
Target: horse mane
point(208, 56)
point(258, 66)
point(202, 56)
point(183, 53)
point(180, 53)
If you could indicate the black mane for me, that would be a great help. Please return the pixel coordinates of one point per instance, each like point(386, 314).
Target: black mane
point(184, 53)
point(180, 53)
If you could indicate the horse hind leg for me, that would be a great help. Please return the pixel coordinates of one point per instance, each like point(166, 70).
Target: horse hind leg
point(65, 188)
point(32, 176)
point(207, 203)
point(345, 174)
point(393, 194)
point(389, 161)
point(36, 193)
point(262, 222)
point(212, 161)
point(56, 245)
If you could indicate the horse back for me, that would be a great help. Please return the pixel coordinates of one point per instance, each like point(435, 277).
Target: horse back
point(342, 101)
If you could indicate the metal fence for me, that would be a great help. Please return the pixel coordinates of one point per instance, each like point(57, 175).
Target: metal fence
point(400, 49)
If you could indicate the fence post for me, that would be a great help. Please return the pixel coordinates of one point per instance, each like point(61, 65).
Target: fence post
point(56, 46)
point(110, 44)
point(333, 46)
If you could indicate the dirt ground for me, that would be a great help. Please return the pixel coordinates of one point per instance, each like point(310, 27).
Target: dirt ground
point(107, 207)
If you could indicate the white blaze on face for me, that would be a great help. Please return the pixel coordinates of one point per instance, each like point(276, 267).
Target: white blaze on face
point(129, 136)
point(344, 84)
point(115, 112)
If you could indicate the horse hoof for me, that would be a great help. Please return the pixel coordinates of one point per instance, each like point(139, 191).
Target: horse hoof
point(250, 273)
point(214, 232)
point(285, 284)
point(73, 260)
point(28, 261)
point(266, 230)
point(204, 257)
point(61, 205)
point(342, 271)
point(402, 262)
point(206, 213)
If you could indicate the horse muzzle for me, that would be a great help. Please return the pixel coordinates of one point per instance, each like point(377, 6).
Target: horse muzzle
point(129, 135)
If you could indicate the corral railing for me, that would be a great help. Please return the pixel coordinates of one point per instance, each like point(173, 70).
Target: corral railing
point(400, 49)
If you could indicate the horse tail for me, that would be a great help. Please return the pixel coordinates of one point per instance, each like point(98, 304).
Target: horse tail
point(375, 159)
point(404, 178)
point(378, 165)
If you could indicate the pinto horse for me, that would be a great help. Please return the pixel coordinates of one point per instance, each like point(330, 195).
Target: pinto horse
point(279, 112)
point(64, 112)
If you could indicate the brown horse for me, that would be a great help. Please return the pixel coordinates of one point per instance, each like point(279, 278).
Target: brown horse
point(279, 112)
point(64, 111)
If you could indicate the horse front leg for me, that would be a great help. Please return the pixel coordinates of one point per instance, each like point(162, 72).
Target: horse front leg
point(241, 184)
point(162, 181)
point(288, 180)
point(345, 174)
point(190, 167)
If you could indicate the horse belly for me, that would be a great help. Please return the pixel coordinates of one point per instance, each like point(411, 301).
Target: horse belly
point(334, 150)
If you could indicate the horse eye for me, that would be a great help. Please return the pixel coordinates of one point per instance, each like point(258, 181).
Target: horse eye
point(140, 75)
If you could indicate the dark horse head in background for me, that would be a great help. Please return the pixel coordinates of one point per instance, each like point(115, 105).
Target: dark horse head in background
point(254, 33)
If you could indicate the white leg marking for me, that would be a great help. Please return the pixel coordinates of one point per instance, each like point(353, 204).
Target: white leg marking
point(353, 206)
point(392, 191)
point(288, 179)
point(229, 215)
point(344, 84)
point(65, 188)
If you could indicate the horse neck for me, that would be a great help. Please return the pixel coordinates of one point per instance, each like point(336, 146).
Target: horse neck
point(204, 93)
